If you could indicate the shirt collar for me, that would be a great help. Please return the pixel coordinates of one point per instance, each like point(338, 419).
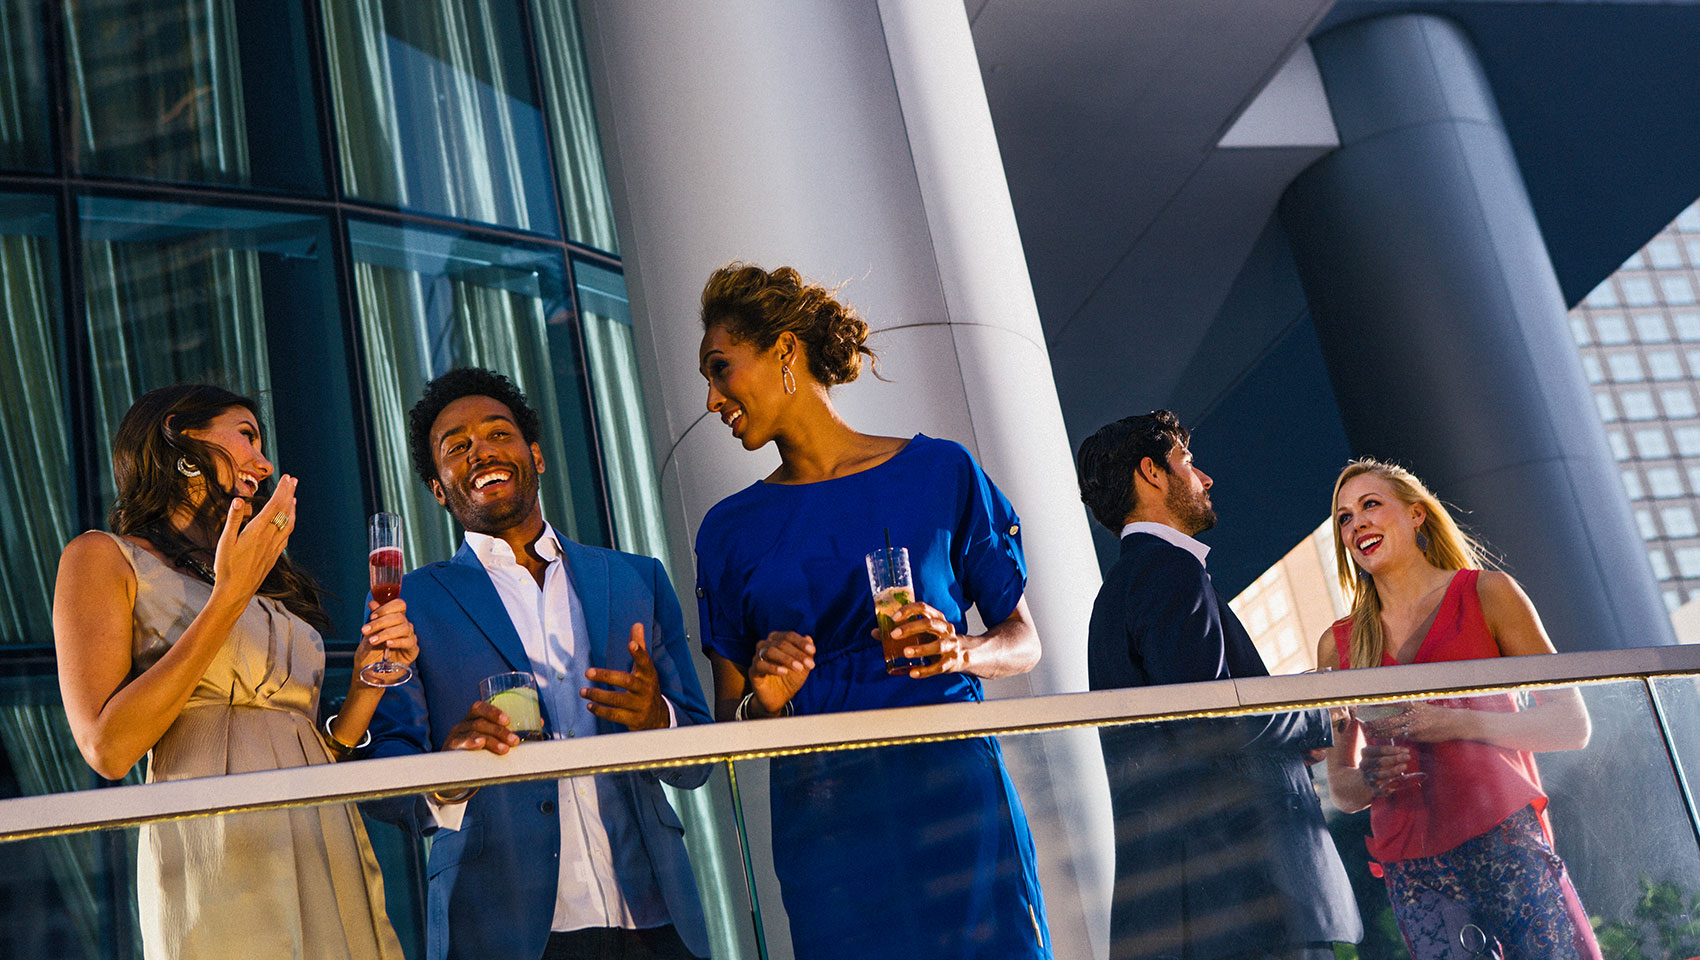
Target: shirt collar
point(496, 550)
point(1163, 531)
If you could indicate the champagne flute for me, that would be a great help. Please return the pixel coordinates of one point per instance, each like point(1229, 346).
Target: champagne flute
point(384, 558)
point(1375, 712)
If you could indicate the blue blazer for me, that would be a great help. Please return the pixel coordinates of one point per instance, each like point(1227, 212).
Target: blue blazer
point(1221, 846)
point(493, 881)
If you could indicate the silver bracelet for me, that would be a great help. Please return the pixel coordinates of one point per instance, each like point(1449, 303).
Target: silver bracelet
point(743, 711)
point(343, 750)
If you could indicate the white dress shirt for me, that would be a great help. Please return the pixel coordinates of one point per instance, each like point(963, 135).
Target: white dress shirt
point(1163, 531)
point(550, 621)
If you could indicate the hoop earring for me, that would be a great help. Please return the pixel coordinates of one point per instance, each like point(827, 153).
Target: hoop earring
point(788, 380)
point(187, 469)
point(1422, 540)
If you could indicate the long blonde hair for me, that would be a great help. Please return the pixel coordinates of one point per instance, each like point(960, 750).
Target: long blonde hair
point(1449, 548)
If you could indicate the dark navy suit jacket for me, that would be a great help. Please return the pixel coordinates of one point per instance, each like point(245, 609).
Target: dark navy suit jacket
point(492, 882)
point(1221, 845)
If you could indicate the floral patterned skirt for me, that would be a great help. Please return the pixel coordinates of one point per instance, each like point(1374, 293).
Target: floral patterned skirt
point(1503, 895)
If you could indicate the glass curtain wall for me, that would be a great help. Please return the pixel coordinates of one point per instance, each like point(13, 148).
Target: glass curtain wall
point(23, 88)
point(206, 91)
point(435, 110)
point(431, 301)
point(585, 203)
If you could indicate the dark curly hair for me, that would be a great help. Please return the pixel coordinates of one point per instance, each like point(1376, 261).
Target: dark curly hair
point(1108, 460)
point(756, 306)
point(451, 386)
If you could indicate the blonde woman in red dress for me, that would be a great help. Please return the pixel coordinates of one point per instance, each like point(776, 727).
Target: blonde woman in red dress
point(1457, 811)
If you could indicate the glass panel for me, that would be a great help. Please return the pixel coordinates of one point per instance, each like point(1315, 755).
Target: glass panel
point(210, 91)
point(430, 302)
point(435, 109)
point(247, 300)
point(290, 882)
point(35, 445)
point(24, 107)
point(572, 125)
point(633, 494)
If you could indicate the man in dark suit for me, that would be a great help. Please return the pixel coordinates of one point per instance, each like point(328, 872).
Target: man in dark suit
point(588, 867)
point(1221, 848)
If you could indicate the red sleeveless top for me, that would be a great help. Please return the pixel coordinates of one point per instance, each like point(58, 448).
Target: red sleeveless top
point(1471, 786)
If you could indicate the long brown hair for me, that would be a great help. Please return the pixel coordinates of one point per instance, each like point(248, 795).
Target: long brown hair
point(151, 439)
point(1449, 548)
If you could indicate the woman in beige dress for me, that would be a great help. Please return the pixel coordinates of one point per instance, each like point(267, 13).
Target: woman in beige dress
point(186, 635)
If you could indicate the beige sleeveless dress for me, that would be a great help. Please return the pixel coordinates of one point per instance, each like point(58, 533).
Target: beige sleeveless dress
point(302, 883)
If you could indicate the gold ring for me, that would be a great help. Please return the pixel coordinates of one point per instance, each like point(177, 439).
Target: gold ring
point(281, 520)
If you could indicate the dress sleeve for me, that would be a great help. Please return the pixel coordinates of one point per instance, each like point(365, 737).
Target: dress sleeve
point(990, 561)
point(718, 593)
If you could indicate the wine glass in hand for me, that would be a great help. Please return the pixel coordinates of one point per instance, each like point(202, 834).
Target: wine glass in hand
point(385, 562)
point(1377, 718)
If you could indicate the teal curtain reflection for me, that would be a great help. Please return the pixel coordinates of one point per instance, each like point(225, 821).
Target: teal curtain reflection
point(35, 445)
point(209, 91)
point(430, 302)
point(173, 295)
point(585, 203)
point(435, 112)
point(23, 88)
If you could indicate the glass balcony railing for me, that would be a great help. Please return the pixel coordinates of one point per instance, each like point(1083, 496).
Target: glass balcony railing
point(1568, 775)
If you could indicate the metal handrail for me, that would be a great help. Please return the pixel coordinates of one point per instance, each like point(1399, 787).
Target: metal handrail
point(27, 817)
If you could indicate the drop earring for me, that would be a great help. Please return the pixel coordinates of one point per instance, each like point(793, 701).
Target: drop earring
point(787, 379)
point(187, 469)
point(1422, 540)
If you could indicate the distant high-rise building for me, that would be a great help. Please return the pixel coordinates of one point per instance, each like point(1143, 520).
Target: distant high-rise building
point(1639, 336)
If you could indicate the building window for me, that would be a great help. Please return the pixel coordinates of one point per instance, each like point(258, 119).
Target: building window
point(1678, 290)
point(1678, 401)
point(1652, 444)
point(1672, 601)
point(1644, 520)
point(1592, 370)
point(1688, 441)
point(1678, 521)
point(1650, 327)
point(1579, 331)
point(1664, 365)
point(1664, 482)
point(1625, 367)
point(1632, 485)
point(1635, 262)
point(1638, 291)
point(1638, 405)
point(1687, 326)
point(1689, 219)
point(1603, 295)
point(1664, 253)
point(1613, 331)
point(1619, 445)
point(1694, 477)
point(1687, 563)
point(1661, 565)
point(1603, 402)
point(1694, 251)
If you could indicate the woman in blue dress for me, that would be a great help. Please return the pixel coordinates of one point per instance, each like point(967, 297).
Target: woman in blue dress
point(935, 833)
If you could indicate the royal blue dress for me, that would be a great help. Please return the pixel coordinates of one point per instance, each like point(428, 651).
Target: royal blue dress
point(934, 832)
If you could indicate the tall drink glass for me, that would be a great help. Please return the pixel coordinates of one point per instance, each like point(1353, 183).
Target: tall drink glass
point(894, 588)
point(384, 560)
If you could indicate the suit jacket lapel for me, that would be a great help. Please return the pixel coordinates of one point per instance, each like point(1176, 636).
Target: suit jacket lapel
point(465, 579)
point(589, 572)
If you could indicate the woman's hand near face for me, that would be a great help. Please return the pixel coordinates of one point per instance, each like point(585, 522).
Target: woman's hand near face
point(248, 548)
point(781, 665)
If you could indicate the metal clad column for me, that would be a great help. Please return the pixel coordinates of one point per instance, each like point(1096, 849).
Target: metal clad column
point(1445, 331)
point(852, 140)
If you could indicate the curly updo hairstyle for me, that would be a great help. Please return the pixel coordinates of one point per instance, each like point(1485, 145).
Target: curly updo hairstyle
point(756, 306)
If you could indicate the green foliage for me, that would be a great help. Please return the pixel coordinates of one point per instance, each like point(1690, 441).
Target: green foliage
point(1663, 926)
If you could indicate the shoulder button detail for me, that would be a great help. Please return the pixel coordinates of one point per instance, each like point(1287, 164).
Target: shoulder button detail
point(699, 591)
point(1014, 529)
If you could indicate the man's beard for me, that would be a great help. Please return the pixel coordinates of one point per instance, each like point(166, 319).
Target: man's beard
point(1193, 514)
point(493, 518)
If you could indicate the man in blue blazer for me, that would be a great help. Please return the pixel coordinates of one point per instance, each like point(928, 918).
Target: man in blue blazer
point(590, 867)
point(1221, 847)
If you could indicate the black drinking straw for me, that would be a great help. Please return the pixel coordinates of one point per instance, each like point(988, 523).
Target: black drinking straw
point(890, 562)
